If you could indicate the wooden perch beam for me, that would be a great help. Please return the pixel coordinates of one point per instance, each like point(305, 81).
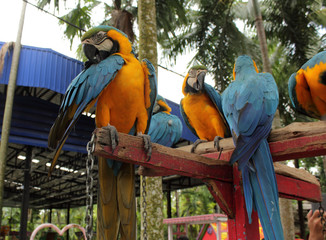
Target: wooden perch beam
point(297, 140)
point(164, 159)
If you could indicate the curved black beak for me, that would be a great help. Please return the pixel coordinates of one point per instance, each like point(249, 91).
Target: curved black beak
point(91, 52)
point(199, 85)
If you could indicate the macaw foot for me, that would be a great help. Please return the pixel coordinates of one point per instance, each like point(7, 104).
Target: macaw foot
point(196, 143)
point(147, 145)
point(217, 145)
point(113, 135)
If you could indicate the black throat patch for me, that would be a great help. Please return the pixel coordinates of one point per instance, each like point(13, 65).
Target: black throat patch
point(322, 77)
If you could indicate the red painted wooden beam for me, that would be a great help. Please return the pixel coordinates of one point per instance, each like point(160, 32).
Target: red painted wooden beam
point(301, 147)
point(164, 159)
point(217, 174)
point(299, 190)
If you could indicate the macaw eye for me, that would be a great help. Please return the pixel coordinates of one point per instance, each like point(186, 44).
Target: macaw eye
point(99, 37)
point(192, 73)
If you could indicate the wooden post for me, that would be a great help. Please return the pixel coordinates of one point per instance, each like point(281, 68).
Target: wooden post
point(170, 232)
point(25, 202)
point(239, 227)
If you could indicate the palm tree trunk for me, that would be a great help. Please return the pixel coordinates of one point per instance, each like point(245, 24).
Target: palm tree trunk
point(154, 193)
point(261, 36)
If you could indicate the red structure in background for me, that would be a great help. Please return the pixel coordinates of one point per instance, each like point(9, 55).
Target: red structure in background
point(214, 226)
point(191, 220)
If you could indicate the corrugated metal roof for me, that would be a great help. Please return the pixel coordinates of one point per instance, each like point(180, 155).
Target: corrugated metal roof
point(42, 67)
point(32, 119)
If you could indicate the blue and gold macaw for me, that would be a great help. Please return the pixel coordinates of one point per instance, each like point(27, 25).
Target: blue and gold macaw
point(249, 104)
point(125, 91)
point(307, 87)
point(165, 128)
point(201, 107)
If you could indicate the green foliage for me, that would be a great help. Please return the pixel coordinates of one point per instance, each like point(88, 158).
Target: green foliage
point(287, 21)
point(80, 16)
point(213, 34)
point(11, 217)
point(43, 3)
point(191, 202)
point(170, 14)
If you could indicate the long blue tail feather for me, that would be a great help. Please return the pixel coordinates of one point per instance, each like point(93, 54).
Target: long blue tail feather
point(262, 183)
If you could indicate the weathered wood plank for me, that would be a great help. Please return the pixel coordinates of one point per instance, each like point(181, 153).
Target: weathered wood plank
point(297, 140)
point(296, 189)
point(169, 161)
point(164, 159)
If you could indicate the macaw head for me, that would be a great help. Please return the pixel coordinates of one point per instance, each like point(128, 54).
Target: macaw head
point(161, 105)
point(102, 41)
point(194, 81)
point(243, 64)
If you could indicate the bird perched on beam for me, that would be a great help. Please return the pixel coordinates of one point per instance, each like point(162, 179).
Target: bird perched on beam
point(249, 104)
point(165, 128)
point(201, 107)
point(307, 87)
point(125, 91)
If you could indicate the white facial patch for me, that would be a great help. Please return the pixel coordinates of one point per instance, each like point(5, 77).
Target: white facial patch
point(106, 45)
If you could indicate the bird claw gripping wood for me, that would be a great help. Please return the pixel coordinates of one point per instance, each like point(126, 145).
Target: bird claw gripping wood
point(89, 188)
point(217, 145)
point(322, 218)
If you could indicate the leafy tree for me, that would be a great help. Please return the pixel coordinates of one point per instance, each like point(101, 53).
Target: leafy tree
point(213, 34)
point(289, 22)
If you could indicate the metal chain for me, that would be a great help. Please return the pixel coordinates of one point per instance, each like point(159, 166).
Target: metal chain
point(322, 218)
point(144, 204)
point(89, 188)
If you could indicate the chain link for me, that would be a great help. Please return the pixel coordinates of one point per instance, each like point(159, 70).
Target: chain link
point(89, 188)
point(322, 218)
point(144, 204)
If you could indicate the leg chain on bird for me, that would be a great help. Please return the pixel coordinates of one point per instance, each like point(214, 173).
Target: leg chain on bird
point(89, 188)
point(322, 218)
point(144, 204)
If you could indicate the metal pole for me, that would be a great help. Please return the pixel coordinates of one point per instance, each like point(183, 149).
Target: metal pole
point(68, 220)
point(168, 197)
point(25, 203)
point(9, 104)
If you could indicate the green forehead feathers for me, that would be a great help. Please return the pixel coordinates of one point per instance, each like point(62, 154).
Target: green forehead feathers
point(94, 30)
point(199, 67)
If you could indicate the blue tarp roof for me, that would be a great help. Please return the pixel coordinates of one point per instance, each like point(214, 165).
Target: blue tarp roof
point(32, 119)
point(45, 68)
point(42, 67)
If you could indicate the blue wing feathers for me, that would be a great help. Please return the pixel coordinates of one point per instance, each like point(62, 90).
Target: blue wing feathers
point(186, 119)
point(165, 129)
point(80, 92)
point(95, 79)
point(153, 86)
point(291, 88)
point(319, 57)
point(214, 96)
